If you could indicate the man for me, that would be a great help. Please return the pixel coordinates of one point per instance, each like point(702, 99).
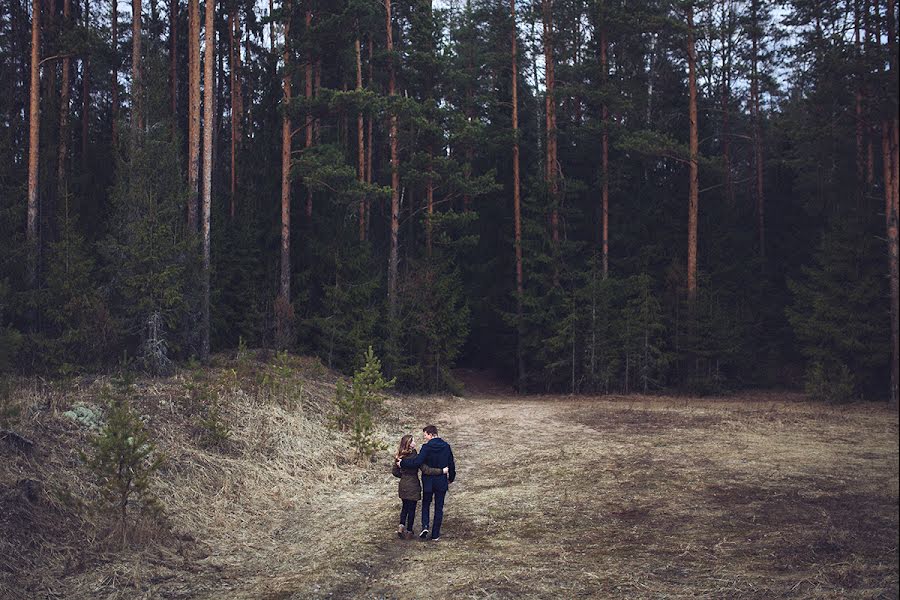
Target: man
point(435, 453)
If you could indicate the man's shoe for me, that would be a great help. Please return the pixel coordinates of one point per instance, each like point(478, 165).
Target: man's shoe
point(400, 531)
point(437, 539)
point(408, 535)
point(423, 534)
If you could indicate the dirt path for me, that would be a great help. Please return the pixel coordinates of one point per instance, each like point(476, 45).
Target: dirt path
point(630, 498)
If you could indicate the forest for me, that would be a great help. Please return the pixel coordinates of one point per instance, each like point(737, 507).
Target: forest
point(587, 196)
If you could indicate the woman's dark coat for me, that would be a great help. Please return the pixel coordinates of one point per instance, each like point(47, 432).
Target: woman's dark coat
point(410, 487)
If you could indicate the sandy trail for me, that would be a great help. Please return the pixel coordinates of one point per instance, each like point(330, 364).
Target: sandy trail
point(633, 498)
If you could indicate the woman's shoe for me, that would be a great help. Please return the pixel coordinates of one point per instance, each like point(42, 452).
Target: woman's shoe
point(401, 530)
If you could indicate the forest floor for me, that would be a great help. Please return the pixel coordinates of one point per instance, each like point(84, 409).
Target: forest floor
point(753, 496)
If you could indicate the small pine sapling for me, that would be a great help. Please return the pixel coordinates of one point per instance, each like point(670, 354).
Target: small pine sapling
point(357, 405)
point(124, 459)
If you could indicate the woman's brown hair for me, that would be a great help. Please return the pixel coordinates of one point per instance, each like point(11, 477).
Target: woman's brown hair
point(405, 448)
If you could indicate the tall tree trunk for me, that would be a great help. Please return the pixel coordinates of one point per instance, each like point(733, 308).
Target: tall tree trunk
point(285, 276)
point(369, 145)
point(858, 102)
point(85, 93)
point(604, 150)
point(308, 117)
point(576, 60)
point(517, 202)
point(34, 124)
point(694, 197)
point(234, 63)
point(137, 91)
point(317, 85)
point(393, 259)
point(470, 114)
point(271, 26)
point(65, 90)
point(870, 149)
point(193, 114)
point(894, 257)
point(727, 23)
point(551, 166)
point(209, 85)
point(360, 142)
point(173, 60)
point(891, 131)
point(49, 94)
point(757, 128)
point(114, 98)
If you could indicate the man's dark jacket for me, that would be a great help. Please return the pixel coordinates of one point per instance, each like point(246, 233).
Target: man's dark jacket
point(435, 453)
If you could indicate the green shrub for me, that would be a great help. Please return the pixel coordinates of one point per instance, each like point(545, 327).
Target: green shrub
point(124, 459)
point(357, 405)
point(834, 384)
point(214, 431)
point(204, 407)
point(277, 383)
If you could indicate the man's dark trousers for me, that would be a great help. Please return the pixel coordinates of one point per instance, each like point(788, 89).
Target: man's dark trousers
point(439, 496)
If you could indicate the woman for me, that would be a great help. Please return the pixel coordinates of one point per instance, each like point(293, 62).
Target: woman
point(410, 488)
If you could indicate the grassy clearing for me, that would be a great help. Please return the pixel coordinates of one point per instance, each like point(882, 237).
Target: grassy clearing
point(752, 497)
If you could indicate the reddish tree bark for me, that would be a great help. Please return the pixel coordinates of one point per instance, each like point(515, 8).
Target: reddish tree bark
point(551, 150)
point(317, 85)
point(34, 124)
point(694, 196)
point(285, 275)
point(360, 144)
point(63, 149)
point(517, 202)
point(209, 84)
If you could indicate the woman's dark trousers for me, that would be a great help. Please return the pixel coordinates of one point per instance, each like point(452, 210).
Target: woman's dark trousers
point(408, 514)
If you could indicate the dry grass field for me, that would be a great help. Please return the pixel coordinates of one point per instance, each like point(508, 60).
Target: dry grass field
point(756, 496)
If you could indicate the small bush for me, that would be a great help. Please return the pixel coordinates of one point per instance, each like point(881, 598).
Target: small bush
point(204, 407)
point(277, 383)
point(124, 459)
point(214, 431)
point(357, 405)
point(834, 385)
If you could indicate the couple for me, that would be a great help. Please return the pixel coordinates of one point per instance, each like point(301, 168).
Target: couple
point(438, 471)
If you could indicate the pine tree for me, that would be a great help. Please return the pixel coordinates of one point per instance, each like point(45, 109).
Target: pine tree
point(146, 255)
point(838, 312)
point(124, 459)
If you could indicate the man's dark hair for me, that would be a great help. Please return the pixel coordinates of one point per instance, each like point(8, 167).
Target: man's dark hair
point(430, 430)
